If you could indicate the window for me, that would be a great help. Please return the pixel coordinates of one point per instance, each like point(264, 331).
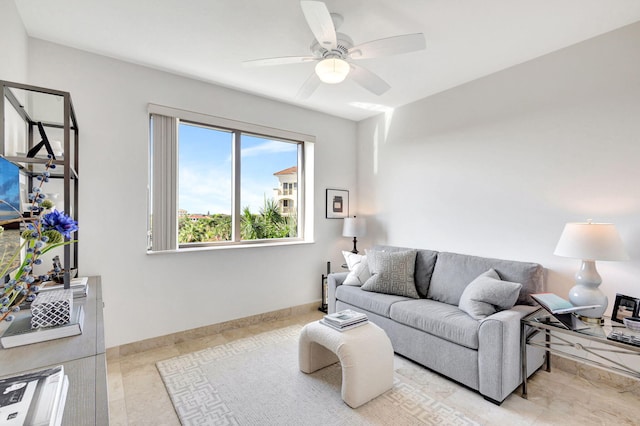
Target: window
point(221, 182)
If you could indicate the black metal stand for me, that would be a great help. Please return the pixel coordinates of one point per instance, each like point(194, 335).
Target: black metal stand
point(324, 304)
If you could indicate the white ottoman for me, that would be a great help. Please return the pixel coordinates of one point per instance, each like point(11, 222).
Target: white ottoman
point(364, 352)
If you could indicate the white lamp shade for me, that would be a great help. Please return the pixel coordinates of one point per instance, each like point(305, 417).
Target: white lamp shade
point(332, 70)
point(354, 227)
point(591, 241)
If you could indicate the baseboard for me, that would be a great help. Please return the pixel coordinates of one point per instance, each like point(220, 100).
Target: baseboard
point(171, 339)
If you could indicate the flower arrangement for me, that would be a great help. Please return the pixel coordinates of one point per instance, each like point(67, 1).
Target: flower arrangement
point(45, 229)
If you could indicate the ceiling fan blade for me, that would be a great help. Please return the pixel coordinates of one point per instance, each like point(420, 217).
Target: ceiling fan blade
point(284, 60)
point(308, 87)
point(319, 20)
point(389, 46)
point(368, 80)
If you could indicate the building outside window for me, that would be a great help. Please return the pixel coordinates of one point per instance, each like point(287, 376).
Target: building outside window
point(286, 194)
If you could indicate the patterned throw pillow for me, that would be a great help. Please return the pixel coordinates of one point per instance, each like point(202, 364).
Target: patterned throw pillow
point(392, 273)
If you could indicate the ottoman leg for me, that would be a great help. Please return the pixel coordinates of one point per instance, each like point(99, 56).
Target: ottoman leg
point(313, 356)
point(366, 374)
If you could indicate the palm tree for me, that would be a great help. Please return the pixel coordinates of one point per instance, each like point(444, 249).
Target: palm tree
point(269, 223)
point(220, 227)
point(192, 232)
point(250, 227)
point(273, 220)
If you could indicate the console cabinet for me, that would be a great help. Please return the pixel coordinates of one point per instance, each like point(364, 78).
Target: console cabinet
point(84, 361)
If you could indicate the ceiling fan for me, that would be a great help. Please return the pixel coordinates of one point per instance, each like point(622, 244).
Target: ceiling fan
point(334, 52)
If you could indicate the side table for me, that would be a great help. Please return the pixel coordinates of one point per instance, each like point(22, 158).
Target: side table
point(580, 345)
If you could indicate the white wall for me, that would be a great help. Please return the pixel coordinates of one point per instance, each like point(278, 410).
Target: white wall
point(13, 44)
point(153, 295)
point(496, 167)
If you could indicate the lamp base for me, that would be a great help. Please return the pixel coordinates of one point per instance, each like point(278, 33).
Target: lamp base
point(586, 291)
point(582, 295)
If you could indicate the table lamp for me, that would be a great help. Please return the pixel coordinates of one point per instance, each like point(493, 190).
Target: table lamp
point(590, 242)
point(354, 227)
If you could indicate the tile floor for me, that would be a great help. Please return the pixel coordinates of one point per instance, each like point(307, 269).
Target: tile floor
point(137, 395)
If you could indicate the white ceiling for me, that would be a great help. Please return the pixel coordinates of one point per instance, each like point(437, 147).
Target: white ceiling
point(209, 39)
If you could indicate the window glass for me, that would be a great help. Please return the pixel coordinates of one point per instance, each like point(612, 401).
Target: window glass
point(204, 184)
point(269, 167)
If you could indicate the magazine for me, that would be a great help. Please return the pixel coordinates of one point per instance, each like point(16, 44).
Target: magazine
point(36, 398)
point(557, 305)
point(563, 310)
point(346, 327)
point(345, 318)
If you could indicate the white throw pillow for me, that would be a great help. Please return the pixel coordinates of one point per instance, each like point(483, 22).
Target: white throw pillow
point(358, 269)
point(487, 294)
point(351, 259)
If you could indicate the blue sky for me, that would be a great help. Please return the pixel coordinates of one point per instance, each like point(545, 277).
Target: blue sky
point(205, 169)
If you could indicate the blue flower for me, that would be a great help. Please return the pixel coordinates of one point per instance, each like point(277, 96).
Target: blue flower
point(58, 221)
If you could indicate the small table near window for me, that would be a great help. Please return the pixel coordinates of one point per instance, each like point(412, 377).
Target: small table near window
point(590, 345)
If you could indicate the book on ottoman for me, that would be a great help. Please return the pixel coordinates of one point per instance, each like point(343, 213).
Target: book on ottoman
point(344, 320)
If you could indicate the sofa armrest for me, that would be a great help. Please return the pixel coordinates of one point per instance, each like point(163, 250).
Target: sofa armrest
point(499, 363)
point(333, 281)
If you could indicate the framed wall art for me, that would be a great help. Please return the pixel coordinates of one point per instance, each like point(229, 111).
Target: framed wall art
point(625, 307)
point(337, 203)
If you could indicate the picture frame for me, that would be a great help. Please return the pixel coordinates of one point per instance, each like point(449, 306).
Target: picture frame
point(625, 307)
point(337, 206)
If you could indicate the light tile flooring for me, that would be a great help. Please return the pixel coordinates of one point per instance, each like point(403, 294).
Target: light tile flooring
point(137, 395)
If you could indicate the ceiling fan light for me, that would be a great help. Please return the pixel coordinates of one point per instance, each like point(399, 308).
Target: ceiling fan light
point(332, 70)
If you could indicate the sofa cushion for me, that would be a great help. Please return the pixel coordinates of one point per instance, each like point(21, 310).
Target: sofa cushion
point(487, 294)
point(425, 262)
point(453, 272)
point(377, 303)
point(358, 269)
point(439, 319)
point(392, 273)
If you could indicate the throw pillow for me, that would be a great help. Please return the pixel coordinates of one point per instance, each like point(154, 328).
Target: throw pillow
point(392, 273)
point(351, 259)
point(487, 294)
point(359, 274)
point(358, 269)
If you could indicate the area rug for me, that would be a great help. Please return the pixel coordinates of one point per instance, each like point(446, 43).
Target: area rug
point(256, 381)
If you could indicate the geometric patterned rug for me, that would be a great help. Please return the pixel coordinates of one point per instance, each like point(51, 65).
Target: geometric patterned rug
point(256, 381)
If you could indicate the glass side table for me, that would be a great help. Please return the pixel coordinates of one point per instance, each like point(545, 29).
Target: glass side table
point(589, 346)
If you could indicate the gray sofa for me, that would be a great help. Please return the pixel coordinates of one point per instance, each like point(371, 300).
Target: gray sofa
point(481, 354)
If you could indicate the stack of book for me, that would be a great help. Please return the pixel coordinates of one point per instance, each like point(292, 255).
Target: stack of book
point(345, 320)
point(20, 332)
point(78, 285)
point(35, 398)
